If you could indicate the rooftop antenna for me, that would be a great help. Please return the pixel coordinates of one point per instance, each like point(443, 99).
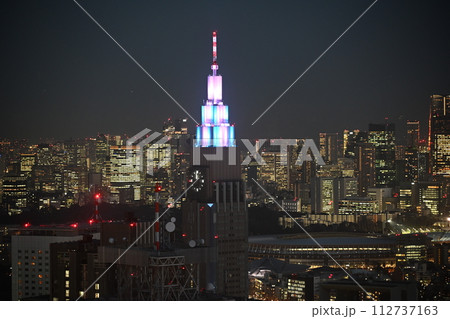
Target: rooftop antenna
point(214, 65)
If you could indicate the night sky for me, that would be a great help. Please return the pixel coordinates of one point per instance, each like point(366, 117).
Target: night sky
point(62, 77)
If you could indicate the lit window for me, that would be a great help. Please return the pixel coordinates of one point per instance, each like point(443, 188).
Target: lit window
point(67, 293)
point(97, 286)
point(67, 273)
point(97, 295)
point(67, 284)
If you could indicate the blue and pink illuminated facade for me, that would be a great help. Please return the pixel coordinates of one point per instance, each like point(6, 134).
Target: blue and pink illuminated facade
point(215, 130)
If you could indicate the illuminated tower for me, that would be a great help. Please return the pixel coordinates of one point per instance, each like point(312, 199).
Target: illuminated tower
point(215, 129)
point(214, 211)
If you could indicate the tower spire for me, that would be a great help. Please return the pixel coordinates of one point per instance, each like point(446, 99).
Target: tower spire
point(214, 65)
point(215, 130)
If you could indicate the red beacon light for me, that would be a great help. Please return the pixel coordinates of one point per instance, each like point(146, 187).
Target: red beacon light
point(97, 196)
point(132, 224)
point(26, 225)
point(91, 221)
point(75, 225)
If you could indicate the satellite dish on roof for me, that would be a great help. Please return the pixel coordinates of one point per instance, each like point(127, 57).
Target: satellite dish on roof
point(192, 243)
point(173, 219)
point(170, 227)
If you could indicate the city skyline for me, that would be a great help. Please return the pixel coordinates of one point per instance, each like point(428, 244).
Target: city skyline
point(122, 178)
point(79, 83)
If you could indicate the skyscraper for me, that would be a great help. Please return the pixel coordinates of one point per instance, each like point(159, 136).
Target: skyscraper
point(382, 136)
point(439, 135)
point(214, 212)
point(329, 149)
point(275, 173)
point(365, 167)
point(324, 195)
point(125, 178)
point(412, 134)
point(215, 129)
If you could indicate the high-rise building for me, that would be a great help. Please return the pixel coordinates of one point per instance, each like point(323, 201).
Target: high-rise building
point(439, 135)
point(365, 167)
point(427, 197)
point(74, 266)
point(101, 152)
point(381, 196)
point(125, 178)
point(411, 169)
point(405, 198)
point(324, 195)
point(180, 148)
point(413, 134)
point(382, 136)
point(275, 172)
point(30, 256)
point(326, 192)
point(27, 162)
point(15, 192)
point(329, 147)
point(214, 212)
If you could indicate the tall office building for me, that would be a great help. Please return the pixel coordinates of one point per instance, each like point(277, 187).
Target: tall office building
point(214, 212)
point(382, 136)
point(181, 146)
point(329, 147)
point(365, 167)
point(30, 257)
point(412, 134)
point(27, 162)
point(15, 192)
point(327, 192)
point(125, 174)
point(101, 152)
point(427, 197)
point(74, 266)
point(275, 173)
point(325, 195)
point(439, 135)
point(350, 140)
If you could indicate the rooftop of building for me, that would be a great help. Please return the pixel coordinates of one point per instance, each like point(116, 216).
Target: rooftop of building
point(324, 239)
point(258, 267)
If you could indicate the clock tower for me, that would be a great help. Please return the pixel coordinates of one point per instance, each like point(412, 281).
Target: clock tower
point(214, 211)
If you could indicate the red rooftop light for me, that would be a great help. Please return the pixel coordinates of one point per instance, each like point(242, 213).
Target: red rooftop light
point(26, 225)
